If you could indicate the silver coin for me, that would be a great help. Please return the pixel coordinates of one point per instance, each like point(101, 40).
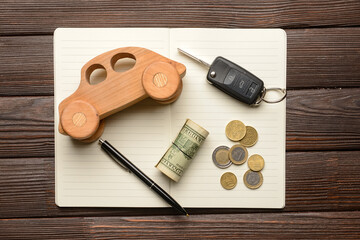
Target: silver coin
point(220, 157)
point(238, 154)
point(253, 180)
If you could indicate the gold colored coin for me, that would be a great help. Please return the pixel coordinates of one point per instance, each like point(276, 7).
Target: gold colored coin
point(256, 162)
point(253, 180)
point(250, 138)
point(228, 180)
point(238, 154)
point(235, 130)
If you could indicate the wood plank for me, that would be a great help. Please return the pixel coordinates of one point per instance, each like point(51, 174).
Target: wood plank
point(42, 17)
point(26, 126)
point(323, 58)
point(26, 185)
point(319, 119)
point(26, 66)
point(316, 58)
point(316, 225)
point(324, 119)
point(45, 228)
point(322, 181)
point(343, 225)
point(315, 181)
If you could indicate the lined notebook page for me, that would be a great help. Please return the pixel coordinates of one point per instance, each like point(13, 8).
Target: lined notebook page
point(85, 175)
point(262, 52)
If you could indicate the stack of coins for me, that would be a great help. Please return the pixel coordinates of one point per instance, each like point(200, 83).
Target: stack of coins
point(223, 156)
point(247, 136)
point(253, 178)
point(237, 131)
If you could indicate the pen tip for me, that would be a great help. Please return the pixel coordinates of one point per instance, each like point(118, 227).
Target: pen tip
point(187, 214)
point(101, 141)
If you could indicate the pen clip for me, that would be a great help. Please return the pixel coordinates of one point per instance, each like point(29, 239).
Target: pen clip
point(120, 164)
point(101, 142)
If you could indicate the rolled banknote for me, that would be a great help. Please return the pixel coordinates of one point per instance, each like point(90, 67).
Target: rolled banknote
point(179, 155)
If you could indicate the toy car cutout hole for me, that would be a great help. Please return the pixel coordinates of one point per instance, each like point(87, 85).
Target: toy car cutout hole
point(96, 74)
point(123, 62)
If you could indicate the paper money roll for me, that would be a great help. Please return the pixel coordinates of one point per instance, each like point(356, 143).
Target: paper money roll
point(179, 155)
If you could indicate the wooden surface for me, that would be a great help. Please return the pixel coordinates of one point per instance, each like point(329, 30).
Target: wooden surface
point(323, 121)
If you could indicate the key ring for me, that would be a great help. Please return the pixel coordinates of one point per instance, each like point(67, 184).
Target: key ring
point(263, 93)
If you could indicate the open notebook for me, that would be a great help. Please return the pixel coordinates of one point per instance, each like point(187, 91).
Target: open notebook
point(86, 176)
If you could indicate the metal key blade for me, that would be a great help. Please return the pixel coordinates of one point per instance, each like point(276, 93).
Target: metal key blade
point(194, 58)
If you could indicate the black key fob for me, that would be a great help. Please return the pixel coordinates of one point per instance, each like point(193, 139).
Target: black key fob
point(235, 80)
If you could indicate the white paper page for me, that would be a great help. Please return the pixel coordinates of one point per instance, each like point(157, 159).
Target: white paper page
point(262, 52)
point(85, 175)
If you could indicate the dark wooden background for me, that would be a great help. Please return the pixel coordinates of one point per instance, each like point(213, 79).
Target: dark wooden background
point(323, 121)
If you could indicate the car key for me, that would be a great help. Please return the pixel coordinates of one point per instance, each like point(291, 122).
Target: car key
point(235, 80)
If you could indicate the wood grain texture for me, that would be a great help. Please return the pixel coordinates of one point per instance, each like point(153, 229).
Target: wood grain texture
point(323, 58)
point(51, 228)
point(81, 112)
point(26, 126)
point(25, 186)
point(324, 180)
point(42, 17)
point(315, 181)
point(323, 119)
point(315, 225)
point(323, 52)
point(316, 58)
point(26, 66)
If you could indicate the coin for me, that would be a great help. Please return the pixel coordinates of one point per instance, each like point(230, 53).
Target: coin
point(238, 154)
point(253, 180)
point(250, 137)
point(228, 180)
point(235, 130)
point(256, 162)
point(220, 157)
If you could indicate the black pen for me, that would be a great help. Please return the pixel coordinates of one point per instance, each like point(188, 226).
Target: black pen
point(124, 162)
